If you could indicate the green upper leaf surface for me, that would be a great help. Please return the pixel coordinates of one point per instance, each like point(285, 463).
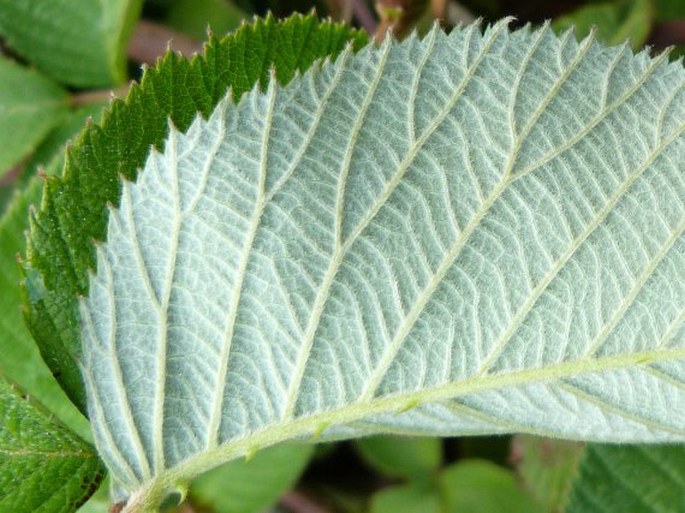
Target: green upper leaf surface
point(43, 467)
point(473, 233)
point(639, 479)
point(75, 42)
point(30, 106)
point(20, 360)
point(73, 212)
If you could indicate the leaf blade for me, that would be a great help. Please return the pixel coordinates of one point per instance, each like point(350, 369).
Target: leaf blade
point(73, 212)
point(43, 467)
point(645, 479)
point(91, 39)
point(31, 106)
point(338, 269)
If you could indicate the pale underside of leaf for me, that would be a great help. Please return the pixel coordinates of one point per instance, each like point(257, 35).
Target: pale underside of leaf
point(473, 233)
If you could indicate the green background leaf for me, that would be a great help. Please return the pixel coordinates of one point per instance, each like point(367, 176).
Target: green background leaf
point(195, 17)
point(402, 456)
point(73, 210)
point(406, 498)
point(639, 479)
point(473, 486)
point(249, 486)
point(30, 106)
point(615, 21)
point(547, 468)
point(668, 10)
point(43, 467)
point(75, 42)
point(357, 253)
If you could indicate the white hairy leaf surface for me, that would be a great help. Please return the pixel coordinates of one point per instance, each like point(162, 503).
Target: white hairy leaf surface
point(469, 233)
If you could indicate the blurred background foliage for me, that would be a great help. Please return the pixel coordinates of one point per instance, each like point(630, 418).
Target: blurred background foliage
point(45, 98)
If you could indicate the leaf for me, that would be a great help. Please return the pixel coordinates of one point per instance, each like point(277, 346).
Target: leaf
point(195, 17)
point(73, 212)
point(30, 106)
point(406, 498)
point(475, 486)
point(43, 467)
point(77, 43)
point(667, 10)
point(98, 502)
point(639, 479)
point(49, 156)
point(401, 456)
point(20, 360)
point(253, 485)
point(465, 234)
point(615, 21)
point(547, 468)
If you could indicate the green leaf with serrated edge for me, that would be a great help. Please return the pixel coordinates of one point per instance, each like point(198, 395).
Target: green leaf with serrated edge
point(253, 485)
point(20, 360)
point(75, 42)
point(73, 212)
point(30, 106)
point(639, 479)
point(402, 456)
point(547, 468)
point(49, 156)
point(473, 233)
point(614, 21)
point(478, 486)
point(44, 468)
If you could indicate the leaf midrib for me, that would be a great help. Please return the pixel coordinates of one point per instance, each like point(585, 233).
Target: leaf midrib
point(314, 425)
point(47, 453)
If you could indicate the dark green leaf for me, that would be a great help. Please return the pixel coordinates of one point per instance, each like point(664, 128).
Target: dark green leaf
point(670, 10)
point(20, 360)
point(73, 211)
point(635, 479)
point(43, 467)
point(50, 154)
